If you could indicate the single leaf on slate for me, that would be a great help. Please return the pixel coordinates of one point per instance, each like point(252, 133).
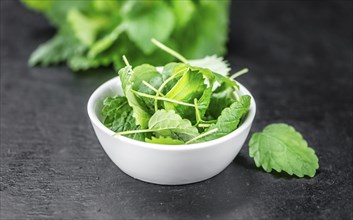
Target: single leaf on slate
point(282, 148)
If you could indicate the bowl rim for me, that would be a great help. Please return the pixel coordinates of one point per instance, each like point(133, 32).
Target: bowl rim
point(165, 147)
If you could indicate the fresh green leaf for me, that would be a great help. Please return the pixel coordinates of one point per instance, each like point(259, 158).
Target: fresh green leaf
point(148, 19)
point(210, 75)
point(140, 111)
point(204, 101)
point(209, 79)
point(164, 140)
point(213, 63)
point(58, 49)
point(223, 79)
point(82, 62)
point(200, 30)
point(172, 68)
point(171, 74)
point(130, 124)
point(118, 116)
point(190, 86)
point(84, 28)
point(183, 11)
point(113, 107)
point(229, 119)
point(59, 10)
point(221, 98)
point(169, 124)
point(282, 148)
point(146, 74)
point(207, 73)
point(105, 58)
point(106, 42)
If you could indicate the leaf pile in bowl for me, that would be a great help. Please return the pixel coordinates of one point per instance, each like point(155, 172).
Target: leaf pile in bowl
point(195, 101)
point(184, 103)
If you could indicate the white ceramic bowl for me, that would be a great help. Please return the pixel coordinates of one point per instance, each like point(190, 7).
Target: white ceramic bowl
point(166, 164)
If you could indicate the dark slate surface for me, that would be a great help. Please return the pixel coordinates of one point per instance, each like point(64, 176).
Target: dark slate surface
point(300, 56)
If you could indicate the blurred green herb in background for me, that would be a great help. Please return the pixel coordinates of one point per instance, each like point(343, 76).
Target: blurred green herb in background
point(96, 33)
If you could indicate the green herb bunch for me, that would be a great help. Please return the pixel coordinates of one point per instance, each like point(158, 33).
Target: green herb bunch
point(184, 103)
point(93, 33)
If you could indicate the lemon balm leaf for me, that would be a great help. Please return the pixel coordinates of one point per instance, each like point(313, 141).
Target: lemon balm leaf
point(106, 42)
point(183, 11)
point(105, 58)
point(280, 147)
point(221, 98)
point(84, 28)
point(118, 116)
point(230, 119)
point(148, 19)
point(113, 108)
point(58, 49)
point(168, 123)
point(148, 74)
point(140, 110)
point(204, 102)
point(213, 63)
point(208, 30)
point(189, 86)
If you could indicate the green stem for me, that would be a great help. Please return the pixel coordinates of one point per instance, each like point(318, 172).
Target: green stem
point(236, 95)
point(165, 83)
point(107, 41)
point(204, 125)
point(202, 135)
point(133, 132)
point(126, 61)
point(197, 112)
point(152, 88)
point(209, 122)
point(239, 73)
point(162, 98)
point(170, 78)
point(169, 50)
point(157, 94)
